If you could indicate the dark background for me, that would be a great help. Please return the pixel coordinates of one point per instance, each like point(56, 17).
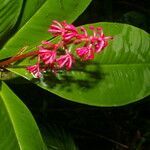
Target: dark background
point(97, 128)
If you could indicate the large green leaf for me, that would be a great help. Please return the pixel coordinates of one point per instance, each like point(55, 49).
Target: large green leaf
point(35, 29)
point(18, 130)
point(9, 12)
point(118, 76)
point(29, 9)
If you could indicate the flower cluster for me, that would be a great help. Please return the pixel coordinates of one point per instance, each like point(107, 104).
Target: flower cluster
point(58, 56)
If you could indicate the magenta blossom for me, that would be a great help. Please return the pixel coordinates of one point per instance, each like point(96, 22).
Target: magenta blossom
point(65, 61)
point(70, 32)
point(57, 56)
point(57, 28)
point(86, 53)
point(47, 56)
point(83, 35)
point(68, 36)
point(101, 43)
point(66, 31)
point(35, 70)
point(98, 39)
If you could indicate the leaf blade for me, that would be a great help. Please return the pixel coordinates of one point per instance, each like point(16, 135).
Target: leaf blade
point(35, 30)
point(9, 13)
point(17, 123)
point(30, 8)
point(119, 75)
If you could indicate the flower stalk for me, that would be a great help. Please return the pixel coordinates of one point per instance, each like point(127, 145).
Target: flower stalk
point(57, 56)
point(17, 57)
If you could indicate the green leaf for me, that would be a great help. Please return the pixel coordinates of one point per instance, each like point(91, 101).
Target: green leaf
point(57, 138)
point(119, 75)
point(35, 29)
point(9, 12)
point(18, 130)
point(29, 9)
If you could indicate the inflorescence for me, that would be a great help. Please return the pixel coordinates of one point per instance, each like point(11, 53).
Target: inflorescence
point(59, 56)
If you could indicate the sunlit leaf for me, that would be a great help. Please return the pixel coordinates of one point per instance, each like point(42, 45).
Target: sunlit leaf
point(35, 29)
point(18, 130)
point(118, 76)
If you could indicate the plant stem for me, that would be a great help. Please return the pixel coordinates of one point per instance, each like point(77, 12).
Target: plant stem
point(18, 57)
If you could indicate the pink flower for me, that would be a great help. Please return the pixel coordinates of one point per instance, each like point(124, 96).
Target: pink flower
point(70, 32)
point(51, 55)
point(57, 28)
point(47, 56)
point(65, 61)
point(68, 36)
point(101, 43)
point(98, 39)
point(86, 53)
point(84, 33)
point(35, 70)
point(67, 31)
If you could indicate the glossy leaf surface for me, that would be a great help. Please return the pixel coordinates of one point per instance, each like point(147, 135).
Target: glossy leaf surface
point(118, 76)
point(18, 130)
point(9, 12)
point(29, 9)
point(35, 29)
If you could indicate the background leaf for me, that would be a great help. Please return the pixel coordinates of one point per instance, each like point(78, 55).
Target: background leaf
point(118, 76)
point(29, 9)
point(57, 138)
point(9, 12)
point(18, 128)
point(35, 29)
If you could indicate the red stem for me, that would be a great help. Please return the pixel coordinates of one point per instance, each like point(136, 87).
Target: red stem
point(18, 57)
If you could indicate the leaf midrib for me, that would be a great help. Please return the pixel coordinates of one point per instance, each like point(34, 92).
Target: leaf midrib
point(100, 64)
point(131, 64)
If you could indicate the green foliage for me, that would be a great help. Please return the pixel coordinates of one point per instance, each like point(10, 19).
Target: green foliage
point(24, 23)
point(118, 76)
point(9, 12)
point(18, 129)
point(35, 28)
point(29, 9)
